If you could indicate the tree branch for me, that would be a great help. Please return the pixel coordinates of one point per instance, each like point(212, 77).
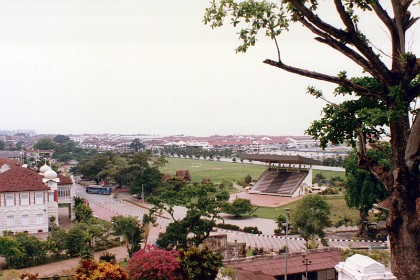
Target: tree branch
point(320, 76)
point(348, 37)
point(381, 173)
point(345, 17)
point(339, 46)
point(383, 15)
point(413, 93)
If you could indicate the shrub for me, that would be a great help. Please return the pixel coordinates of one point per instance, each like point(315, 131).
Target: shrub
point(228, 226)
point(91, 270)
point(154, 264)
point(108, 257)
point(253, 230)
point(200, 263)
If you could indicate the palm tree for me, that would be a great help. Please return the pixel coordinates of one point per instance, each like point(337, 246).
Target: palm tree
point(310, 217)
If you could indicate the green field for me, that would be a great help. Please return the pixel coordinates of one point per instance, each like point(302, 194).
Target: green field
point(338, 211)
point(328, 174)
point(217, 171)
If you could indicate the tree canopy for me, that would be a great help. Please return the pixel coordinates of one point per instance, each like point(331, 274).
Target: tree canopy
point(310, 217)
point(238, 207)
point(204, 203)
point(362, 188)
point(45, 143)
point(380, 102)
point(131, 230)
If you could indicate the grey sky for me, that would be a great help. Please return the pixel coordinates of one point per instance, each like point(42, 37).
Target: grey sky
point(144, 66)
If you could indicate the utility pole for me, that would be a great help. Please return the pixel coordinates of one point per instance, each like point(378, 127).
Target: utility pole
point(287, 239)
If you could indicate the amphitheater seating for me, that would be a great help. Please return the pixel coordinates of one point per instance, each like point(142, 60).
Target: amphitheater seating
point(279, 182)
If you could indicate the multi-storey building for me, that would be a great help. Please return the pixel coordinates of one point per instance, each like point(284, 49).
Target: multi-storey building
point(28, 200)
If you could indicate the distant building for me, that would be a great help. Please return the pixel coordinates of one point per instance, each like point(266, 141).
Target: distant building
point(18, 155)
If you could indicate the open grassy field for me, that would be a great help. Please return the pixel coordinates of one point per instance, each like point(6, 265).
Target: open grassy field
point(338, 211)
point(328, 174)
point(217, 171)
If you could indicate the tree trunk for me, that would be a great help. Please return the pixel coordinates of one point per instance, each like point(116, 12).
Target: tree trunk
point(403, 224)
point(404, 238)
point(362, 226)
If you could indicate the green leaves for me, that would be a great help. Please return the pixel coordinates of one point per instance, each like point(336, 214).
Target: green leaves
point(252, 16)
point(311, 216)
point(204, 204)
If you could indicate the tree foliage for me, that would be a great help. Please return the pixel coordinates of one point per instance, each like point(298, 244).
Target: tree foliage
point(363, 190)
point(83, 213)
point(136, 145)
point(238, 207)
point(131, 230)
point(204, 202)
point(200, 263)
point(310, 217)
point(45, 143)
point(382, 101)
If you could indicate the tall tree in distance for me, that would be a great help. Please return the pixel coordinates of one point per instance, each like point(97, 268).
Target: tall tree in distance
point(45, 144)
point(136, 145)
point(362, 188)
point(382, 101)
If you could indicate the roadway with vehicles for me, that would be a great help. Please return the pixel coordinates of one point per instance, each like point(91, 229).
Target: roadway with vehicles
point(106, 207)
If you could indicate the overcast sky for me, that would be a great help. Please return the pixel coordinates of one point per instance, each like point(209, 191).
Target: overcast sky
point(152, 66)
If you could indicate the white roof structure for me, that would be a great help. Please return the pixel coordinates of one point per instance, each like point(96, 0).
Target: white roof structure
point(359, 267)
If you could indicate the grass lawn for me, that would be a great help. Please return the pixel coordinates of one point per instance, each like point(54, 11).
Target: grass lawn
point(338, 211)
point(217, 171)
point(328, 174)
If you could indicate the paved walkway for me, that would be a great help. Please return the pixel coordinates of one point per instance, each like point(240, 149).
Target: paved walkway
point(65, 267)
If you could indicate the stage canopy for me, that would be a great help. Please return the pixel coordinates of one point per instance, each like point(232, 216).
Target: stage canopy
point(281, 159)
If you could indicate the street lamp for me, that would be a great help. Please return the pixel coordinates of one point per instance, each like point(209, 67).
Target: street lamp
point(236, 254)
point(287, 210)
point(306, 262)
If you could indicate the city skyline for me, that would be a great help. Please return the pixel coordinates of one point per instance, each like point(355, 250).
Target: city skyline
point(153, 67)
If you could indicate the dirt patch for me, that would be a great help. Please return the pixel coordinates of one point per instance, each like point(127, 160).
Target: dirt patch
point(265, 200)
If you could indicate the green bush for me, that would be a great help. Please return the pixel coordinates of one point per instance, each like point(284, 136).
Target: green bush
point(229, 226)
point(253, 230)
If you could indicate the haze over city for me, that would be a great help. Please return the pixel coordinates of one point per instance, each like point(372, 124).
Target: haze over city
point(150, 67)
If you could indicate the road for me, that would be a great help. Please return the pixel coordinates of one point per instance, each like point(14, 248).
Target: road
point(106, 207)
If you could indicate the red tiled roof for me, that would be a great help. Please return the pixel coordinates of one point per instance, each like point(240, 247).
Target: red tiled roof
point(11, 162)
point(64, 180)
point(276, 267)
point(385, 203)
point(21, 179)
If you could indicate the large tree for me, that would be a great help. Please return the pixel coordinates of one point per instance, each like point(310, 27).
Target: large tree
point(204, 204)
point(362, 188)
point(383, 101)
point(45, 143)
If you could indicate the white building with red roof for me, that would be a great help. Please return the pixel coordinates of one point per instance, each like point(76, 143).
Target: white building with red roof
point(28, 199)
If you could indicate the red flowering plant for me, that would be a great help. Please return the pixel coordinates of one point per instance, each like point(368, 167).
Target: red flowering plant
point(154, 264)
